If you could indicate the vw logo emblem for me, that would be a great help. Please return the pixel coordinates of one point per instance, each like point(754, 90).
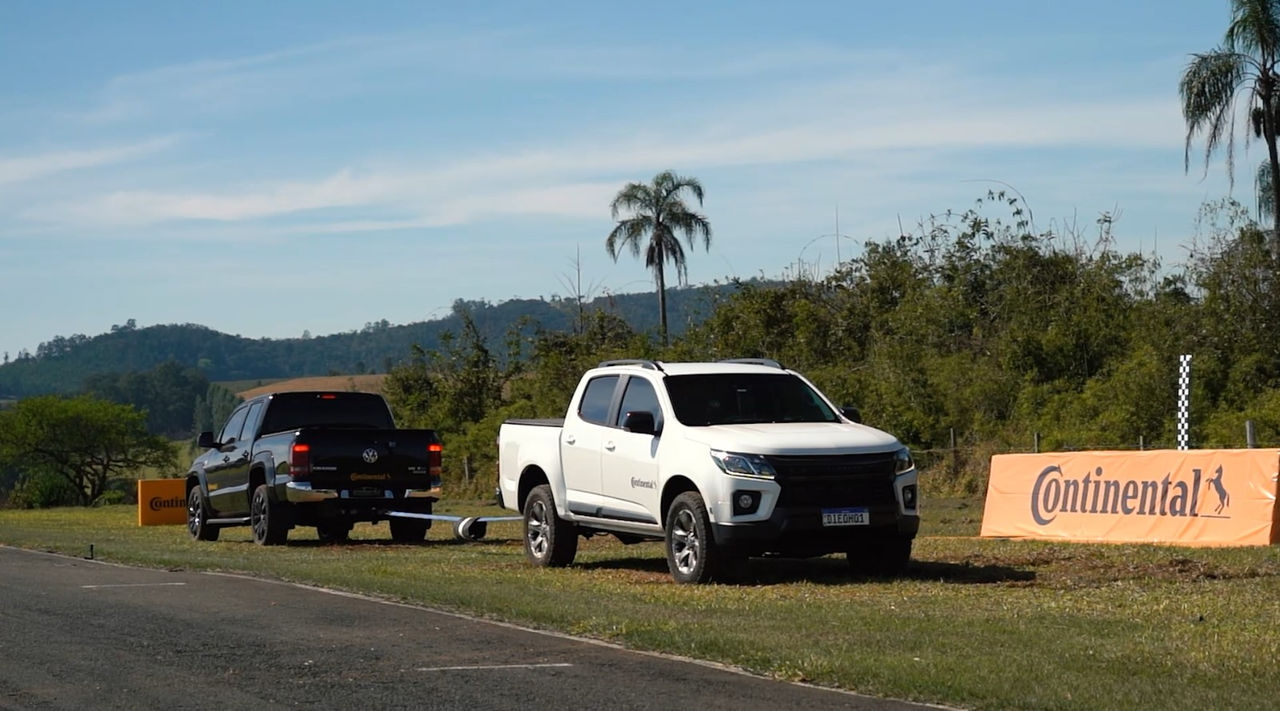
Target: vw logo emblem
point(370, 455)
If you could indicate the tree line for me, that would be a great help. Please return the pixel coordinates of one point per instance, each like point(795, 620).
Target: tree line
point(62, 450)
point(63, 364)
point(973, 333)
point(974, 328)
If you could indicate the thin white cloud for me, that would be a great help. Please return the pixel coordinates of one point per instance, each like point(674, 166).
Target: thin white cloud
point(148, 207)
point(574, 200)
point(566, 180)
point(33, 167)
point(502, 53)
point(221, 83)
point(351, 65)
point(321, 70)
point(845, 110)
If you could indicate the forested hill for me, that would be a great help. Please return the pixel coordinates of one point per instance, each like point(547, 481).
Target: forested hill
point(63, 363)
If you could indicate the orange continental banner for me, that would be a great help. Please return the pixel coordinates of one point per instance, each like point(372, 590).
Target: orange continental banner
point(162, 501)
point(1203, 497)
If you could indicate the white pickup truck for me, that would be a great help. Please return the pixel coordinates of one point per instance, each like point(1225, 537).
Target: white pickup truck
point(721, 460)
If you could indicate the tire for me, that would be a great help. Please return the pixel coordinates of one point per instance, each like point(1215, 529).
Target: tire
point(888, 556)
point(549, 541)
point(692, 553)
point(409, 530)
point(334, 530)
point(470, 529)
point(198, 517)
point(267, 518)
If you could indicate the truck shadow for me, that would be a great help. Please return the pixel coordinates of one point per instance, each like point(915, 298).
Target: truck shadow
point(387, 542)
point(834, 571)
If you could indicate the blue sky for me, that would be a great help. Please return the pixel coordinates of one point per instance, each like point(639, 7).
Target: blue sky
point(265, 168)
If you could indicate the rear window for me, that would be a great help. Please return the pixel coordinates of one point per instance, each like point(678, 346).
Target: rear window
point(597, 398)
point(736, 398)
point(291, 411)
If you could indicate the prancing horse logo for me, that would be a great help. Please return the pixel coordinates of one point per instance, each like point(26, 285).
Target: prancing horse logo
point(370, 455)
point(1224, 499)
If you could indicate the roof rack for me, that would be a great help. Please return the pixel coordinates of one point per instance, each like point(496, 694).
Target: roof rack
point(755, 361)
point(643, 363)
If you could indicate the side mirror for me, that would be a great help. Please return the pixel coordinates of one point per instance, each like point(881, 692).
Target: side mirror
point(851, 413)
point(206, 441)
point(640, 422)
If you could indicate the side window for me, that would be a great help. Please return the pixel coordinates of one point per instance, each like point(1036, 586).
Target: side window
point(251, 422)
point(640, 397)
point(597, 398)
point(231, 432)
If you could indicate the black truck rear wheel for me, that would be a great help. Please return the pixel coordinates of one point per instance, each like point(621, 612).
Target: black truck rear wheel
point(409, 530)
point(333, 530)
point(267, 519)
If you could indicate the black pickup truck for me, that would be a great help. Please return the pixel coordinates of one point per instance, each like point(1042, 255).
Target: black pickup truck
point(323, 459)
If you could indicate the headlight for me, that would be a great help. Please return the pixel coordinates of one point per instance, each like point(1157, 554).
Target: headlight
point(902, 461)
point(743, 464)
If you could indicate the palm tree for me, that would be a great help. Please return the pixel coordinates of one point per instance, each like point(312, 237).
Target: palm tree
point(1245, 63)
point(658, 211)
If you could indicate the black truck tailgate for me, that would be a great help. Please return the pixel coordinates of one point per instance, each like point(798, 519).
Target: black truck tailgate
point(370, 462)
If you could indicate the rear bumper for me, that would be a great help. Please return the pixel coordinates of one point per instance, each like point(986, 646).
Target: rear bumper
point(800, 532)
point(309, 507)
point(301, 492)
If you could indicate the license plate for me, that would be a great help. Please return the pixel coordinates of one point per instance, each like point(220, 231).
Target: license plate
point(858, 516)
point(366, 492)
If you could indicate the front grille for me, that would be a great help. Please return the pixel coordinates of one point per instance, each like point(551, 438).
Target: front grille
point(835, 480)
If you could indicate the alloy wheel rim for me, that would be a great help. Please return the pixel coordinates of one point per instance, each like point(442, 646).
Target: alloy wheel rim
point(258, 515)
point(537, 536)
point(684, 543)
point(195, 509)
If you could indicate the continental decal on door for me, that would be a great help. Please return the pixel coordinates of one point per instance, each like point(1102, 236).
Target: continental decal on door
point(1210, 497)
point(162, 502)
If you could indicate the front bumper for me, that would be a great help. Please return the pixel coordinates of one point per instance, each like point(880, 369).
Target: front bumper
point(798, 531)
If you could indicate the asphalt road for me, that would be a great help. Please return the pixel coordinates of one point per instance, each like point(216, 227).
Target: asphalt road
point(81, 634)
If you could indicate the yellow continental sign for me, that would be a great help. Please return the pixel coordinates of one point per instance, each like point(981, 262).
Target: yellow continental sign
point(162, 501)
point(1195, 497)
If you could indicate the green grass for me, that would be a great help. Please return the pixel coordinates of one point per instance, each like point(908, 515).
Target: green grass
point(976, 623)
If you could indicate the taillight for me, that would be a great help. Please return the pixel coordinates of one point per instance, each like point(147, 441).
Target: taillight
point(435, 453)
point(300, 461)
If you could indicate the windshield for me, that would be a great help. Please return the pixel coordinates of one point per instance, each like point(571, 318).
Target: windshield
point(737, 398)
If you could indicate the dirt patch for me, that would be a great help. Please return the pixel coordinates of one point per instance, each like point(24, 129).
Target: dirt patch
point(1068, 567)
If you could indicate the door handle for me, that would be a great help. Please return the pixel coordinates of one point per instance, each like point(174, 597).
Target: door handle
point(610, 446)
point(226, 458)
point(244, 457)
point(569, 439)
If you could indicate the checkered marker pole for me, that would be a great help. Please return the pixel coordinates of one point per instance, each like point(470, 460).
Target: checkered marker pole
point(1184, 399)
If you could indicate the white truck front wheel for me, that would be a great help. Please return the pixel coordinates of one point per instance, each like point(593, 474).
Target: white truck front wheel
point(692, 554)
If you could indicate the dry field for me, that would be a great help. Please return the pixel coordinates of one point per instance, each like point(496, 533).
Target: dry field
point(347, 383)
